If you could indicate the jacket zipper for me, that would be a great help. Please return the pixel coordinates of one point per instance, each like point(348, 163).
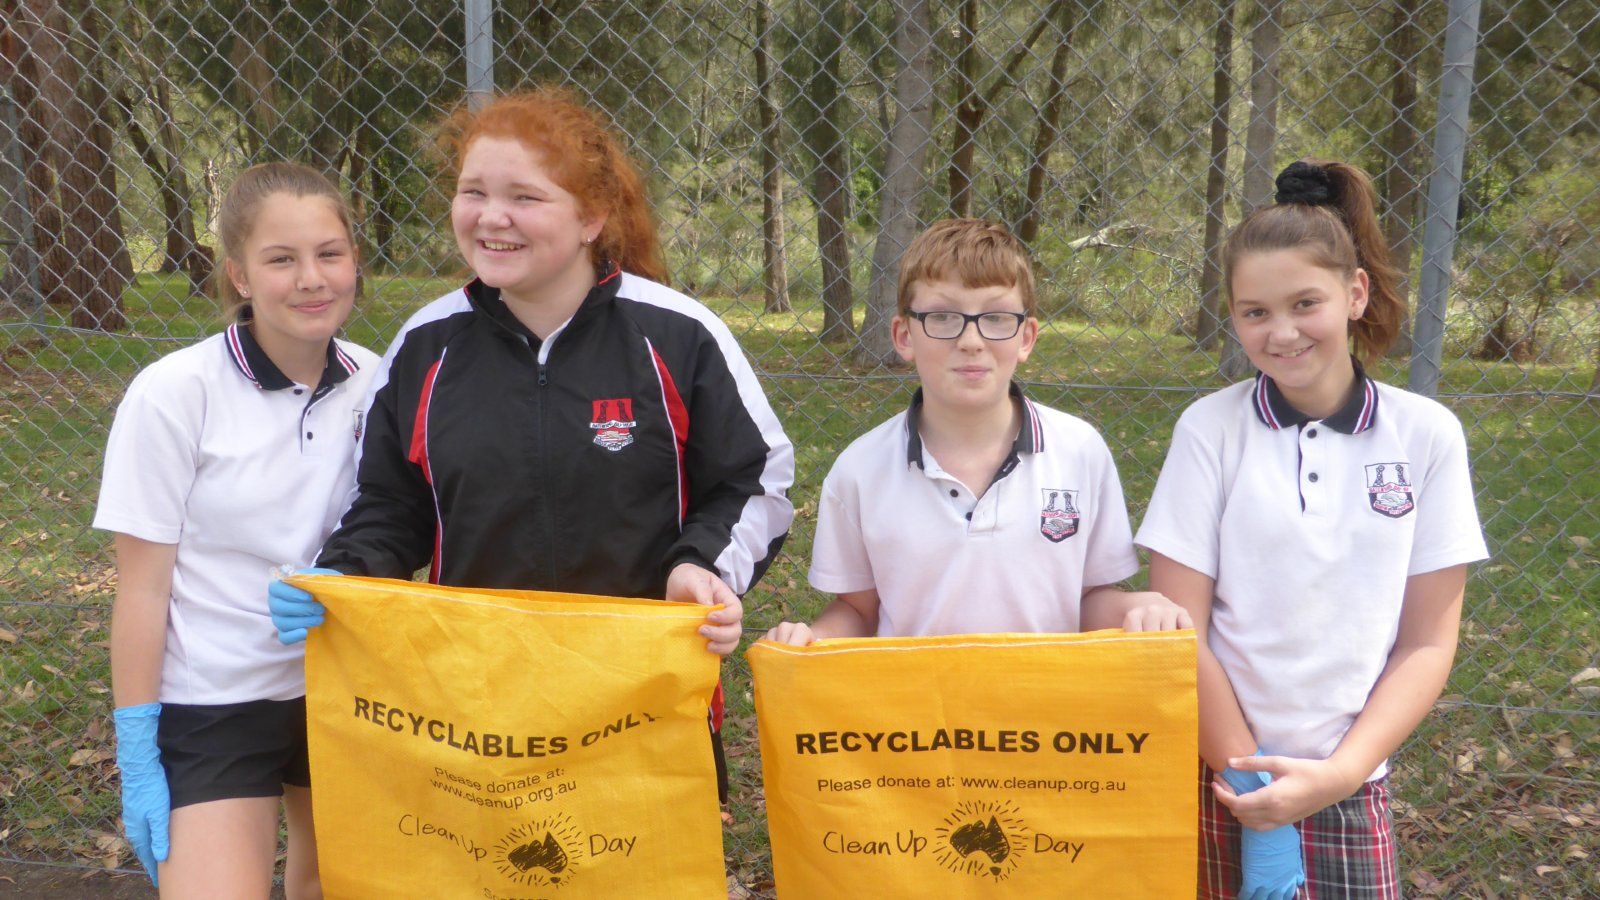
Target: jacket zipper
point(543, 452)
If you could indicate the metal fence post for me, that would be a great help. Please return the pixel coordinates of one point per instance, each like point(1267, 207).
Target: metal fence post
point(1444, 194)
point(480, 52)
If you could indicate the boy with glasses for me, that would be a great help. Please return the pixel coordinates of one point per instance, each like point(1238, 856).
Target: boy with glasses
point(976, 510)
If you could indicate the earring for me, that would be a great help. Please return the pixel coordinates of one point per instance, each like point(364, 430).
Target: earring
point(243, 292)
point(587, 241)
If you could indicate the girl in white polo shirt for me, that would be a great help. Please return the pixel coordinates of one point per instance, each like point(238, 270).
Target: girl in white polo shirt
point(227, 458)
point(1317, 525)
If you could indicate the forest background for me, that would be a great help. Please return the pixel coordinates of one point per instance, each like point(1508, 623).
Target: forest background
point(793, 149)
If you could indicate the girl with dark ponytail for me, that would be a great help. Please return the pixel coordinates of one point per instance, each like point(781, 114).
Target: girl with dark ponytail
point(1317, 525)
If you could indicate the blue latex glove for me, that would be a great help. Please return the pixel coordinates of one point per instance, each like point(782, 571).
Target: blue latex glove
point(294, 611)
point(1271, 862)
point(146, 804)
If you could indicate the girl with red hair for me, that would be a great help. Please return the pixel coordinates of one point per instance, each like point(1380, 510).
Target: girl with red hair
point(565, 421)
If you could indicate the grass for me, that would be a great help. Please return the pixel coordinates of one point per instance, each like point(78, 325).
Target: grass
point(1497, 790)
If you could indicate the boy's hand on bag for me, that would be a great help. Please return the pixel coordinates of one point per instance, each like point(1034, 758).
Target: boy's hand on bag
point(1152, 611)
point(1297, 788)
point(294, 612)
point(689, 583)
point(797, 633)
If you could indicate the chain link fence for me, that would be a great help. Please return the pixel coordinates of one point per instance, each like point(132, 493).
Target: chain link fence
point(789, 146)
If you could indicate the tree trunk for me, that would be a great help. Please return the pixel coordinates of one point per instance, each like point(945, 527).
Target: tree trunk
point(1496, 343)
point(903, 176)
point(1594, 383)
point(42, 156)
point(334, 42)
point(774, 265)
point(1403, 155)
point(100, 268)
point(196, 260)
point(829, 185)
point(361, 155)
point(180, 246)
point(19, 283)
point(1261, 141)
point(1213, 312)
point(254, 98)
point(1049, 124)
point(970, 107)
point(166, 162)
point(968, 115)
point(382, 212)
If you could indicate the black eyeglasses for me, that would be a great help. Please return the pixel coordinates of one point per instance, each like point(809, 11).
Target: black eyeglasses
point(992, 326)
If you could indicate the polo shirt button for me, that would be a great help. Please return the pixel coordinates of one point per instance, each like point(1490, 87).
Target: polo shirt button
point(1312, 476)
point(969, 517)
point(299, 391)
point(308, 437)
point(954, 492)
point(1312, 433)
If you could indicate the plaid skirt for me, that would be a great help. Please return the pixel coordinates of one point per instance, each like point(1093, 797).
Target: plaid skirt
point(1348, 848)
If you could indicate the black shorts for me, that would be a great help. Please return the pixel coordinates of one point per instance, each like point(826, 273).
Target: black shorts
point(719, 757)
point(234, 750)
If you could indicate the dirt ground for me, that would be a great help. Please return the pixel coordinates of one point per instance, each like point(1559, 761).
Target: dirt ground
point(57, 883)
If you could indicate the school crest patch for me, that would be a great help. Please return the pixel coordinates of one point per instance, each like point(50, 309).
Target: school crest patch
point(361, 425)
point(613, 423)
point(1058, 517)
point(1388, 490)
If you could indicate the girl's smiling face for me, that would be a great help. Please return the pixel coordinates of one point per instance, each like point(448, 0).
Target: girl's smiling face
point(516, 227)
point(298, 271)
point(1293, 320)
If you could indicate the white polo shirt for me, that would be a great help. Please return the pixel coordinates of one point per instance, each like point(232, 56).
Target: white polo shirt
point(215, 450)
point(1310, 529)
point(943, 561)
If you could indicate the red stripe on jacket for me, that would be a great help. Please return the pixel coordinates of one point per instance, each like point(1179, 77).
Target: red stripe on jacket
point(678, 415)
point(419, 457)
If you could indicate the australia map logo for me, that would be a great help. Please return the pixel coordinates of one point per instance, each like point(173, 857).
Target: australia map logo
point(547, 852)
point(1058, 517)
point(613, 423)
point(982, 839)
point(1388, 491)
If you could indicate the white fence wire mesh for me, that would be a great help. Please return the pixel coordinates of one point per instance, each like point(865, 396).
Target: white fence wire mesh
point(1116, 138)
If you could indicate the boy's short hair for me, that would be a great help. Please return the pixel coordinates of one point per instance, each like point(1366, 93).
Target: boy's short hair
point(972, 252)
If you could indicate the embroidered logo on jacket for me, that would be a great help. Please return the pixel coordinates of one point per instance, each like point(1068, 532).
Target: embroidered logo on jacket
point(1388, 490)
point(361, 424)
point(1058, 518)
point(613, 423)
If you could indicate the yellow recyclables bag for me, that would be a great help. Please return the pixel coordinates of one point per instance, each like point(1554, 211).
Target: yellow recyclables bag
point(981, 765)
point(498, 744)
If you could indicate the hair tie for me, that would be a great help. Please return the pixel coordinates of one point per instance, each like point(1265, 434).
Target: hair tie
point(1303, 182)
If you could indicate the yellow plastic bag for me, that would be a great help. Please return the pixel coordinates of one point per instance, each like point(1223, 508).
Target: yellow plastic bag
point(981, 765)
point(497, 744)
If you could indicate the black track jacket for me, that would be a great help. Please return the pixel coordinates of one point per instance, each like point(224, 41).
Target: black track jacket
point(633, 438)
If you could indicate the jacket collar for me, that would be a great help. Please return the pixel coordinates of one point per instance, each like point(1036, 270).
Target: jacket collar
point(1358, 413)
point(488, 301)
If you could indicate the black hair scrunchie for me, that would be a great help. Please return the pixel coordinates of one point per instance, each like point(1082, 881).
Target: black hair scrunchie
point(1303, 182)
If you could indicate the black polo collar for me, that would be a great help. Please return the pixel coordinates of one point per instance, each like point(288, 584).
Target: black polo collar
point(488, 300)
point(259, 369)
point(1357, 414)
point(1030, 437)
